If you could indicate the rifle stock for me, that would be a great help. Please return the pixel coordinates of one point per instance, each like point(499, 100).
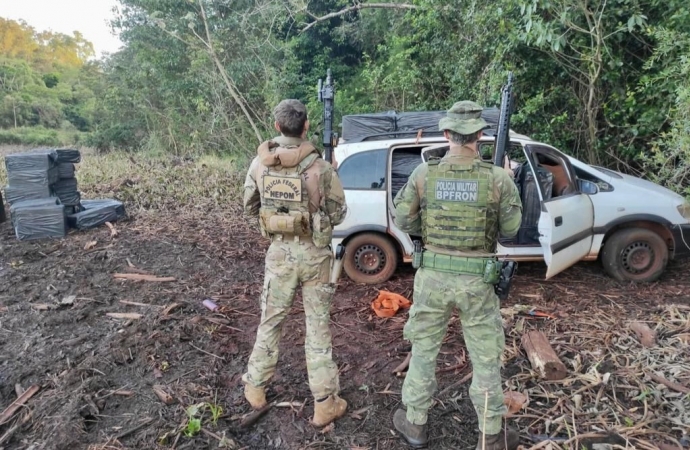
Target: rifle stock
point(327, 96)
point(502, 133)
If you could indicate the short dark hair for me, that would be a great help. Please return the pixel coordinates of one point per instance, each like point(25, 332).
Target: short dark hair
point(462, 139)
point(291, 116)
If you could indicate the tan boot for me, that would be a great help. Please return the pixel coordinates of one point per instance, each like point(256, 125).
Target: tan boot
point(326, 411)
point(508, 440)
point(256, 396)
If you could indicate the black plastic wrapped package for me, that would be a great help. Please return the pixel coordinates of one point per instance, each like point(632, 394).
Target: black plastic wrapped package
point(68, 155)
point(531, 204)
point(38, 219)
point(38, 160)
point(357, 127)
point(414, 121)
point(42, 177)
point(67, 191)
point(402, 165)
point(65, 170)
point(15, 194)
point(96, 213)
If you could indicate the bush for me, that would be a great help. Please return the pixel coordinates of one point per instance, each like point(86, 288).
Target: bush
point(38, 136)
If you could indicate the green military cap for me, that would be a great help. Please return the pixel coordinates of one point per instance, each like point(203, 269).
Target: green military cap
point(463, 117)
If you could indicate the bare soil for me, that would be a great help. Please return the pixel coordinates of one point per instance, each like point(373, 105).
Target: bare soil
point(96, 374)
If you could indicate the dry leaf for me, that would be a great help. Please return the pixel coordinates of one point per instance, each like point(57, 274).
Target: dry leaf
point(162, 395)
point(328, 428)
point(90, 245)
point(157, 373)
point(170, 308)
point(113, 231)
point(515, 401)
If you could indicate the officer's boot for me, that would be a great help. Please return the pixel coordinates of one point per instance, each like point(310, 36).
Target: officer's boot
point(415, 435)
point(256, 396)
point(505, 440)
point(328, 409)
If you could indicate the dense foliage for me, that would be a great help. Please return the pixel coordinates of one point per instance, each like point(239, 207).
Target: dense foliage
point(604, 80)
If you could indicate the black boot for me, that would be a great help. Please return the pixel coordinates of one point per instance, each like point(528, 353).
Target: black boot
point(505, 440)
point(415, 435)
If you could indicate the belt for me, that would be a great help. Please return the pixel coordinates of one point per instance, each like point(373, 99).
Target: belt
point(290, 237)
point(453, 264)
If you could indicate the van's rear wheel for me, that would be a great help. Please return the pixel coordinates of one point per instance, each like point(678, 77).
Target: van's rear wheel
point(370, 258)
point(635, 254)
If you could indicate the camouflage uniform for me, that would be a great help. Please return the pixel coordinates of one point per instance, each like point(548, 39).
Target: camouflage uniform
point(438, 292)
point(292, 260)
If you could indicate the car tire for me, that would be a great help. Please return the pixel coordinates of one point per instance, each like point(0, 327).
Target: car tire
point(635, 254)
point(370, 258)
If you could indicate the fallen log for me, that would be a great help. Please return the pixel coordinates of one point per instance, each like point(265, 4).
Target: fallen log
point(542, 356)
point(645, 335)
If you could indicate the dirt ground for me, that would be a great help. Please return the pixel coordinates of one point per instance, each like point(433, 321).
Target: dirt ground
point(105, 382)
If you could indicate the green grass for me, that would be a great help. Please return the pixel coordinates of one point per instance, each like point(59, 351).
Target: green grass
point(39, 136)
point(154, 181)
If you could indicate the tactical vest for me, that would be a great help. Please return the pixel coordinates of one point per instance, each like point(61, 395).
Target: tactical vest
point(285, 200)
point(461, 208)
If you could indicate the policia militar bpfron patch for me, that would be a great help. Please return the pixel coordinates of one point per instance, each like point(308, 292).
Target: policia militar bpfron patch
point(465, 191)
point(283, 188)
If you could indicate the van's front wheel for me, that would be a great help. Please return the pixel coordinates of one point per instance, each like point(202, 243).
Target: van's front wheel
point(370, 258)
point(635, 254)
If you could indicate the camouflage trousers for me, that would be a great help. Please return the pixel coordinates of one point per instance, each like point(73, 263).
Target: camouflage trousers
point(436, 294)
point(288, 264)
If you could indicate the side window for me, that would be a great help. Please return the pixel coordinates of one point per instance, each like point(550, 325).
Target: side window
point(584, 175)
point(515, 153)
point(366, 170)
point(554, 173)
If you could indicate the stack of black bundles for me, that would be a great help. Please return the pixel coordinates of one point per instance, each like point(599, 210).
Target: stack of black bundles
point(66, 188)
point(38, 219)
point(96, 212)
point(30, 176)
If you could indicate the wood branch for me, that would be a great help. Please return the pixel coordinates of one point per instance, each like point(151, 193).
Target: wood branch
point(462, 380)
point(669, 384)
point(542, 356)
point(128, 316)
point(356, 7)
point(229, 83)
point(251, 418)
point(403, 365)
point(8, 413)
point(140, 277)
point(645, 335)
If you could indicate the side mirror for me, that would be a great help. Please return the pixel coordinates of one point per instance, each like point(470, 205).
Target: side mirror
point(587, 187)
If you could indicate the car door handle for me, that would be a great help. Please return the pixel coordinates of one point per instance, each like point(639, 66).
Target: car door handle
point(558, 221)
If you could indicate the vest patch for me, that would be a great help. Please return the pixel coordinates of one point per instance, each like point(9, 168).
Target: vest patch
point(282, 188)
point(465, 191)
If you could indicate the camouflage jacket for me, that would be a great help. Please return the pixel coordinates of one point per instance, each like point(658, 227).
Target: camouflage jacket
point(327, 195)
point(410, 200)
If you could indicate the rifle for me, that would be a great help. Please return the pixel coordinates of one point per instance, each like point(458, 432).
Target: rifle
point(326, 96)
point(502, 133)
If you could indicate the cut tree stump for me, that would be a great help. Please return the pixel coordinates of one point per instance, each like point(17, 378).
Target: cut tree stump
point(542, 356)
point(645, 335)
